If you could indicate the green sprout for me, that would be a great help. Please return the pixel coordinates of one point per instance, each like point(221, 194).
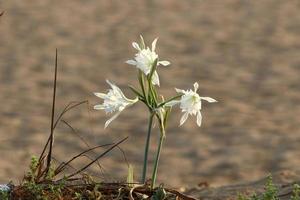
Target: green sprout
point(296, 192)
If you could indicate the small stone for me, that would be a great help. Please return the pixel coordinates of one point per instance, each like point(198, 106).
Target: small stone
point(4, 188)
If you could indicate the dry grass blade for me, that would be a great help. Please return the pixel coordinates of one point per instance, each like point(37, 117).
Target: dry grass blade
point(180, 195)
point(87, 144)
point(98, 157)
point(132, 190)
point(124, 155)
point(61, 167)
point(77, 134)
point(65, 110)
point(69, 165)
point(83, 175)
point(68, 108)
point(52, 117)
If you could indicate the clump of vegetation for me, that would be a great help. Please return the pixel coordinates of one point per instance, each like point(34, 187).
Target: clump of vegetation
point(38, 191)
point(4, 195)
point(296, 192)
point(271, 192)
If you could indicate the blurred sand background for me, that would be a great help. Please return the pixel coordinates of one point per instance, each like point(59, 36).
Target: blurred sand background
point(245, 54)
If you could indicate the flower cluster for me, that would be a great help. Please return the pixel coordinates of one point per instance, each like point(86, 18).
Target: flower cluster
point(146, 61)
point(145, 58)
point(115, 100)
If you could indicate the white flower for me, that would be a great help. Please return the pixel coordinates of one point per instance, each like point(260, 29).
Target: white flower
point(114, 101)
point(190, 103)
point(145, 58)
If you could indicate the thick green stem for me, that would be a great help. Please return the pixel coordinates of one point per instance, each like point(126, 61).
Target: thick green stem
point(147, 148)
point(154, 175)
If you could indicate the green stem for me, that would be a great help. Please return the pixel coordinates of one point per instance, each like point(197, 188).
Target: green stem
point(147, 148)
point(154, 175)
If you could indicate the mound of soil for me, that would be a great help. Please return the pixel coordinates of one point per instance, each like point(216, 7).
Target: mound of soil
point(283, 180)
point(244, 53)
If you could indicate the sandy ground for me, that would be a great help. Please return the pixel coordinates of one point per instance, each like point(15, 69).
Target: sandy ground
point(245, 54)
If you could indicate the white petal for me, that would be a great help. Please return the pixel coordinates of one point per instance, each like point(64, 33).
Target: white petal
point(209, 99)
point(121, 108)
point(200, 105)
point(155, 78)
point(196, 86)
point(100, 95)
point(142, 41)
point(164, 63)
point(154, 44)
point(172, 103)
point(131, 62)
point(113, 86)
point(110, 84)
point(111, 119)
point(199, 118)
point(179, 90)
point(184, 118)
point(116, 89)
point(99, 107)
point(136, 46)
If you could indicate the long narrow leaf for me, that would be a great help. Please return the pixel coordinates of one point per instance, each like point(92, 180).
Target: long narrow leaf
point(142, 84)
point(136, 92)
point(130, 175)
point(151, 94)
point(167, 101)
point(154, 66)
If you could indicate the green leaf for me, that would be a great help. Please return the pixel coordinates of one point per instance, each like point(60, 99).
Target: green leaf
point(167, 101)
point(296, 192)
point(142, 84)
point(168, 111)
point(153, 68)
point(152, 94)
point(130, 180)
point(135, 91)
point(159, 194)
